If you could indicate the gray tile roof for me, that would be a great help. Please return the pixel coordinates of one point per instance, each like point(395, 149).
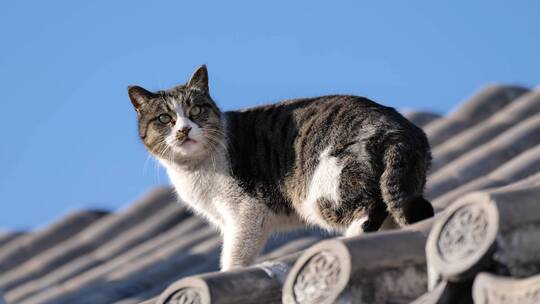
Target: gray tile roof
point(489, 145)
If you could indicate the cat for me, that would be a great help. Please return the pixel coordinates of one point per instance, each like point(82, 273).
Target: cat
point(343, 163)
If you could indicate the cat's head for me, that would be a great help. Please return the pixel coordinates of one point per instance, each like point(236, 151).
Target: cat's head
point(182, 124)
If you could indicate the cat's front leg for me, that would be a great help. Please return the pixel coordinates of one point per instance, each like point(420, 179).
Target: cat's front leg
point(244, 235)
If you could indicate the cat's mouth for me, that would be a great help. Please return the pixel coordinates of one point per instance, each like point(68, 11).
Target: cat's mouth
point(186, 141)
point(183, 144)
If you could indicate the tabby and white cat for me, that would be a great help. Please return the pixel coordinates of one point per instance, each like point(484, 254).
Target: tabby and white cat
point(342, 163)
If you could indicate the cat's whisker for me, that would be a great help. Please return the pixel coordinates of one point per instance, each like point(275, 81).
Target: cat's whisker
point(162, 149)
point(213, 150)
point(216, 140)
point(214, 145)
point(213, 162)
point(220, 137)
point(146, 163)
point(166, 152)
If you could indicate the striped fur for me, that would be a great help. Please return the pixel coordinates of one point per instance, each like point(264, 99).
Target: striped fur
point(342, 163)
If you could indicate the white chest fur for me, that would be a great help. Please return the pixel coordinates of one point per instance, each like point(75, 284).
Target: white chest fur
point(206, 191)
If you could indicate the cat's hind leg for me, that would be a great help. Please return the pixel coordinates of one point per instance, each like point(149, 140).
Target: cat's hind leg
point(369, 221)
point(402, 182)
point(353, 218)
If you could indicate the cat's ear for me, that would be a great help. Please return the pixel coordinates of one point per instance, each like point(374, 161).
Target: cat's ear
point(199, 79)
point(139, 96)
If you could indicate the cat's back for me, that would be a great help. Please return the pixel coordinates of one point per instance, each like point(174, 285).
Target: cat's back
point(341, 115)
point(298, 111)
point(285, 132)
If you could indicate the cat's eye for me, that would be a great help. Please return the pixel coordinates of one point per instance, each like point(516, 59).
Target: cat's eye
point(194, 111)
point(164, 118)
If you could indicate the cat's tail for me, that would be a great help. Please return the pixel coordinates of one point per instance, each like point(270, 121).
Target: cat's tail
point(406, 160)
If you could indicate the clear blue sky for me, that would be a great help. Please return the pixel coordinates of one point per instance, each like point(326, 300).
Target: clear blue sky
point(68, 130)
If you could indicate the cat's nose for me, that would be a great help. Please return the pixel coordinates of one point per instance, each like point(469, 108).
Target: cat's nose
point(185, 130)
